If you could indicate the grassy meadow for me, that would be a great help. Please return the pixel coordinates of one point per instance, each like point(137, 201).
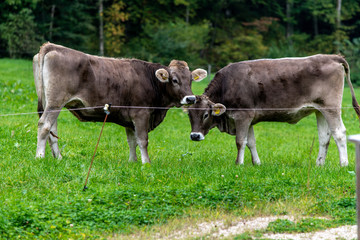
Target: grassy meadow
point(187, 181)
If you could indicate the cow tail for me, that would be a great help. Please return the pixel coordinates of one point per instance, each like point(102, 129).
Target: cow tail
point(354, 101)
point(39, 79)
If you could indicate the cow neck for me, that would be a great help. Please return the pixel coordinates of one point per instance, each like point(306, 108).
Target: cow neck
point(166, 99)
point(214, 93)
point(162, 97)
point(214, 89)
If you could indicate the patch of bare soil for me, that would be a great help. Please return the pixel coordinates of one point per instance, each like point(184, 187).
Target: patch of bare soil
point(222, 230)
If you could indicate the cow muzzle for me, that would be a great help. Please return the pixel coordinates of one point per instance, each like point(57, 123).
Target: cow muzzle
point(197, 136)
point(191, 99)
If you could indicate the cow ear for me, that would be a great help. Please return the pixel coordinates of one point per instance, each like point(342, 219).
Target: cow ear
point(218, 109)
point(198, 74)
point(162, 75)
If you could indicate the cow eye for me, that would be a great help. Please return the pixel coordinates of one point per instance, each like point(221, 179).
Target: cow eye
point(206, 115)
point(174, 80)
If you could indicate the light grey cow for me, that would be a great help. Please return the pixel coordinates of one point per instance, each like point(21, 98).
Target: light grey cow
point(68, 78)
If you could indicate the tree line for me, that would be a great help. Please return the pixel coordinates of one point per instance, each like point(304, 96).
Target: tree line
point(201, 32)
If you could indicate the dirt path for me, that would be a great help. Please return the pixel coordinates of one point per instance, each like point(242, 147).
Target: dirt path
point(220, 230)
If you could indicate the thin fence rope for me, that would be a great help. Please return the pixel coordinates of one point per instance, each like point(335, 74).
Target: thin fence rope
point(97, 144)
point(61, 110)
point(170, 108)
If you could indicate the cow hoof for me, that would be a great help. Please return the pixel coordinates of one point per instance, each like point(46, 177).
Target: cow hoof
point(239, 163)
point(40, 156)
point(344, 164)
point(57, 156)
point(320, 162)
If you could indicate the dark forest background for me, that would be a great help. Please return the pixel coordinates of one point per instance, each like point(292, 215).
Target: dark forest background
point(201, 32)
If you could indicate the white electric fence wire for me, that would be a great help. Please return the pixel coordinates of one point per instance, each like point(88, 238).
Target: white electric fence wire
point(169, 108)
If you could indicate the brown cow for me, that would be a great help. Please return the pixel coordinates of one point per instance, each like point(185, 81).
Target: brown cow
point(68, 78)
point(278, 90)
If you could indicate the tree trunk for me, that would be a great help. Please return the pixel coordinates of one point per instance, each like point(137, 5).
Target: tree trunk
point(187, 14)
point(338, 25)
point(338, 15)
point(316, 26)
point(51, 21)
point(289, 25)
point(101, 29)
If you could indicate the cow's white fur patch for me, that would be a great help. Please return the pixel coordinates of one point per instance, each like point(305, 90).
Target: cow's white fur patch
point(45, 81)
point(241, 155)
point(324, 138)
point(339, 134)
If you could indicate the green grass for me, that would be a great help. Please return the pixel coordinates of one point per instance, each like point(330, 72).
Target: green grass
point(43, 198)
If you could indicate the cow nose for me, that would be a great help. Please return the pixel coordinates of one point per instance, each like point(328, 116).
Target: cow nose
point(195, 136)
point(188, 100)
point(191, 99)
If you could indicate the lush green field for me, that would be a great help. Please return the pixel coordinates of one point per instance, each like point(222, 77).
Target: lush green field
point(186, 180)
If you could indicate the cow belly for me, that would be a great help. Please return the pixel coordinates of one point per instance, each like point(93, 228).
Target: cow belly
point(291, 117)
point(228, 124)
point(86, 113)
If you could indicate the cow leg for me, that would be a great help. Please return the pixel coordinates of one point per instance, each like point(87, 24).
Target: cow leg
point(141, 133)
point(242, 129)
point(338, 131)
point(45, 124)
point(324, 138)
point(251, 144)
point(131, 139)
point(53, 142)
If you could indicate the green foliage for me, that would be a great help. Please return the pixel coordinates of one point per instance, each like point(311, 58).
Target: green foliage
point(74, 24)
point(18, 32)
point(319, 44)
point(304, 225)
point(245, 45)
point(115, 28)
point(323, 9)
point(281, 50)
point(351, 50)
point(200, 32)
point(167, 41)
point(244, 236)
point(322, 44)
point(342, 210)
point(281, 225)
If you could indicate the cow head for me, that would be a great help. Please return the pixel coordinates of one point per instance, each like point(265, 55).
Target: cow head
point(178, 79)
point(203, 117)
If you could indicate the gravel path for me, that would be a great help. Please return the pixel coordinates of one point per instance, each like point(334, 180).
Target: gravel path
point(220, 230)
point(344, 232)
